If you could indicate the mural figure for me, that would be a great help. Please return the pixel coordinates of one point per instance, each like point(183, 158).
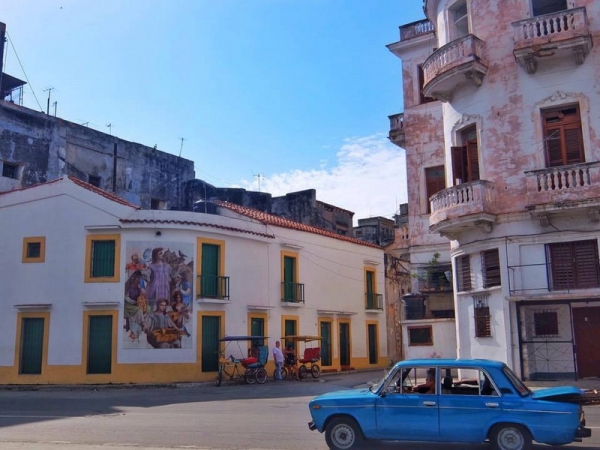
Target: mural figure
point(135, 264)
point(161, 331)
point(135, 305)
point(178, 311)
point(159, 276)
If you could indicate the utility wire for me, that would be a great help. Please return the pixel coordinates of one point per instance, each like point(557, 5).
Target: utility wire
point(23, 69)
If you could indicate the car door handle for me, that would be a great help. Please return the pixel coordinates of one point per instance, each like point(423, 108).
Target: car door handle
point(429, 403)
point(492, 405)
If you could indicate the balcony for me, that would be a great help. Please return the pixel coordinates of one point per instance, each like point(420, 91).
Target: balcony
point(435, 278)
point(373, 301)
point(396, 135)
point(559, 34)
point(564, 189)
point(458, 63)
point(292, 293)
point(416, 29)
point(460, 207)
point(214, 287)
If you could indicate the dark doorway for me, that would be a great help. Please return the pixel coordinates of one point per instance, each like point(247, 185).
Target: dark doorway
point(344, 344)
point(211, 331)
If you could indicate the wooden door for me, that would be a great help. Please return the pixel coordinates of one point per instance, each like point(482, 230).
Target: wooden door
point(586, 323)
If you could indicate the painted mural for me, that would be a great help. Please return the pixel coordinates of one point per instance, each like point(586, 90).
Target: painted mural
point(158, 295)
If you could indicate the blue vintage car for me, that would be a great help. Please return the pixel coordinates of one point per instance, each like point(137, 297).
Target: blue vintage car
point(442, 400)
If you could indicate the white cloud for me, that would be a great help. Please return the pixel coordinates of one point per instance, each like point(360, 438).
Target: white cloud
point(369, 178)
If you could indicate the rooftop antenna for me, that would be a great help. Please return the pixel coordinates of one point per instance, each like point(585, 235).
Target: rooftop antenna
point(258, 176)
point(109, 125)
point(181, 148)
point(49, 90)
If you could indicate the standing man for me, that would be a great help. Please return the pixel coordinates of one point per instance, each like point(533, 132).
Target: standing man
point(278, 358)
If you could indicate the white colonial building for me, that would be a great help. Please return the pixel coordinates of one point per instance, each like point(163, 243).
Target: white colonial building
point(96, 290)
point(501, 126)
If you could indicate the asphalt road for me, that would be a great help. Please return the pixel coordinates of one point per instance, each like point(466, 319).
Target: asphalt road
point(272, 416)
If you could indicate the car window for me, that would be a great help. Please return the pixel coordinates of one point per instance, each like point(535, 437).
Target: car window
point(466, 381)
point(414, 380)
point(516, 382)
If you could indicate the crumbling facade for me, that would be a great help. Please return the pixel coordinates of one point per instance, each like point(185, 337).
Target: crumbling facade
point(501, 127)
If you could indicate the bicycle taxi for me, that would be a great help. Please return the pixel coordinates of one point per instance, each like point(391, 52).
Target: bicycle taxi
point(308, 358)
point(242, 364)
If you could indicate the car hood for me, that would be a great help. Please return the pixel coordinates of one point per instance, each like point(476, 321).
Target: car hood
point(568, 394)
point(343, 395)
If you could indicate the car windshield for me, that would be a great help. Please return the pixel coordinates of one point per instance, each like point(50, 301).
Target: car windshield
point(516, 382)
point(375, 386)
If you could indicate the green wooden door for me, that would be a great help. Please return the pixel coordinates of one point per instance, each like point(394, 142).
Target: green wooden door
point(210, 270)
point(289, 278)
point(372, 332)
point(326, 344)
point(290, 330)
point(370, 290)
point(257, 328)
point(211, 331)
point(32, 346)
point(344, 344)
point(99, 357)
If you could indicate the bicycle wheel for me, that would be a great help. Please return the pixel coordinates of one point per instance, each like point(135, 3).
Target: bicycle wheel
point(219, 379)
point(261, 375)
point(315, 371)
point(283, 374)
point(303, 372)
point(250, 376)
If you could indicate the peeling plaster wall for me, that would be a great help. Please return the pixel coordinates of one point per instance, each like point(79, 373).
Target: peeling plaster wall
point(47, 148)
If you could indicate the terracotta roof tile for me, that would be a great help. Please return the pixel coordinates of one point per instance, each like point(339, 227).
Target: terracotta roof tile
point(270, 219)
point(103, 193)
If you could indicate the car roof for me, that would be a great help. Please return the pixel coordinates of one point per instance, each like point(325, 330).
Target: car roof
point(450, 362)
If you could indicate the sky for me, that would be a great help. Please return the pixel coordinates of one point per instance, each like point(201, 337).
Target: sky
point(270, 95)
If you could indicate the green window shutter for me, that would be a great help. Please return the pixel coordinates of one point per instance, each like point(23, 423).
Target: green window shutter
point(32, 346)
point(370, 289)
point(103, 259)
point(210, 270)
point(99, 345)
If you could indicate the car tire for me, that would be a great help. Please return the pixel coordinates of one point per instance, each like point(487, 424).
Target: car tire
point(261, 376)
point(315, 371)
point(510, 436)
point(343, 433)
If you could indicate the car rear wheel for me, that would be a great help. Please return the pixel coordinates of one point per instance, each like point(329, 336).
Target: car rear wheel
point(343, 434)
point(510, 436)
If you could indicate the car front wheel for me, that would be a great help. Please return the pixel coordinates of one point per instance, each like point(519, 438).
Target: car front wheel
point(510, 436)
point(343, 434)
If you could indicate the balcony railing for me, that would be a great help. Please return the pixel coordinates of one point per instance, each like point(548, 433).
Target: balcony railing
point(214, 287)
point(536, 280)
point(543, 36)
point(397, 135)
point(292, 292)
point(415, 29)
point(457, 63)
point(572, 184)
point(373, 301)
point(465, 200)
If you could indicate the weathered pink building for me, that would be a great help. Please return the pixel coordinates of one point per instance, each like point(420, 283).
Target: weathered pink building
point(501, 128)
